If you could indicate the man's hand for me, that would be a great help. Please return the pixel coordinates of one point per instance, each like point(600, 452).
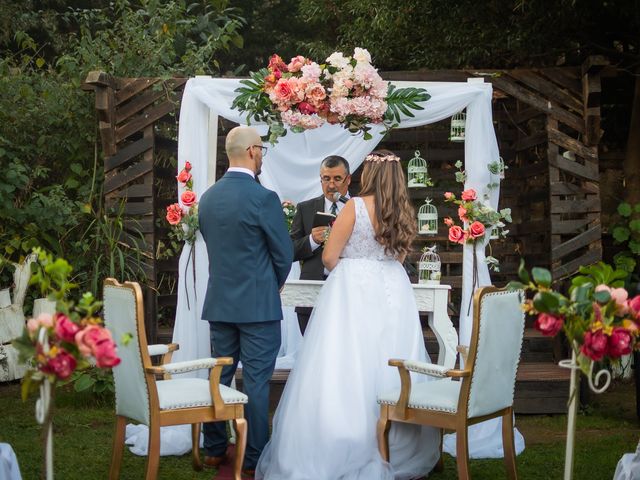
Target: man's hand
point(318, 234)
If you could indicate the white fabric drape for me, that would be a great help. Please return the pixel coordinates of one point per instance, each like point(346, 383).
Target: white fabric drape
point(291, 169)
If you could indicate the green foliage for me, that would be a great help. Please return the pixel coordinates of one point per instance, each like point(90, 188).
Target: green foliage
point(401, 101)
point(626, 231)
point(97, 381)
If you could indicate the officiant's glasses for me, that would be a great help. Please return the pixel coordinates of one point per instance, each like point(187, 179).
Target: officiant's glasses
point(264, 149)
point(337, 180)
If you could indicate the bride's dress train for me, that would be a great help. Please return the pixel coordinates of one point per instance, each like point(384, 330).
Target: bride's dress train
point(325, 424)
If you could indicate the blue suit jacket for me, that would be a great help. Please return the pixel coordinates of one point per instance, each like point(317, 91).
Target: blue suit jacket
point(249, 248)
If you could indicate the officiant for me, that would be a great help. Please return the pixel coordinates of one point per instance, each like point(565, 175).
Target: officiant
point(308, 240)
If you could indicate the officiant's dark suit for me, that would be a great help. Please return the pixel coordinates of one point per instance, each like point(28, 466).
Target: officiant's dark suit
point(250, 256)
point(334, 177)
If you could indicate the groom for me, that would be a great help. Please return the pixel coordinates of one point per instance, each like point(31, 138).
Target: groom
point(250, 255)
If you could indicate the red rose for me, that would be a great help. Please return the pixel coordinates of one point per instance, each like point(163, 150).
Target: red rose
point(549, 325)
point(634, 305)
point(476, 230)
point(62, 365)
point(469, 195)
point(306, 108)
point(65, 329)
point(184, 176)
point(619, 342)
point(187, 166)
point(188, 198)
point(276, 63)
point(174, 214)
point(456, 234)
point(90, 337)
point(106, 355)
point(595, 345)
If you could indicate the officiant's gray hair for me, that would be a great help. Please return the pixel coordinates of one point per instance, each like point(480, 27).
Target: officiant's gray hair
point(333, 161)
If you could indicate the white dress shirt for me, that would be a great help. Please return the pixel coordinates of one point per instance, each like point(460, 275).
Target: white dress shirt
point(327, 208)
point(241, 170)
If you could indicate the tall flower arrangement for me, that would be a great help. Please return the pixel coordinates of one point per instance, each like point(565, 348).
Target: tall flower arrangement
point(183, 215)
point(289, 210)
point(304, 94)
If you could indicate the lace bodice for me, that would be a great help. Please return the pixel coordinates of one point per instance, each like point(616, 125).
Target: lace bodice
point(362, 243)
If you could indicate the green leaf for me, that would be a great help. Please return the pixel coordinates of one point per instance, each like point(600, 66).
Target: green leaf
point(541, 276)
point(84, 382)
point(634, 225)
point(40, 62)
point(602, 297)
point(621, 234)
point(522, 272)
point(546, 302)
point(513, 285)
point(634, 246)
point(624, 209)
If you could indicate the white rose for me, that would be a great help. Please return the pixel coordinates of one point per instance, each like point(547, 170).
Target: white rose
point(361, 55)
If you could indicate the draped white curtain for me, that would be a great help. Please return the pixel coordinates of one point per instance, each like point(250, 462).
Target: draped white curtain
point(291, 169)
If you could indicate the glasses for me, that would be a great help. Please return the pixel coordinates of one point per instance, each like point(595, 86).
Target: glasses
point(264, 149)
point(336, 180)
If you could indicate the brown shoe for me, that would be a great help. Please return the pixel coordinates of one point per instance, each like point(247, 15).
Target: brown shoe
point(215, 462)
point(249, 472)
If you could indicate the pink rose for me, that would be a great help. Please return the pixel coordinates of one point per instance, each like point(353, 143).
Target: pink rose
point(174, 214)
point(106, 354)
point(315, 94)
point(469, 195)
point(306, 108)
point(476, 230)
point(88, 338)
point(184, 176)
point(43, 320)
point(456, 234)
point(595, 345)
point(634, 306)
point(32, 325)
point(66, 329)
point(448, 195)
point(619, 342)
point(188, 198)
point(283, 91)
point(187, 166)
point(448, 221)
point(296, 63)
point(462, 213)
point(62, 365)
point(549, 325)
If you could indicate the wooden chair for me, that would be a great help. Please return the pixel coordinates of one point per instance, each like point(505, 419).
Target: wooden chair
point(484, 389)
point(157, 403)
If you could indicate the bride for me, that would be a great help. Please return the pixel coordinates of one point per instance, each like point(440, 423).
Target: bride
point(325, 425)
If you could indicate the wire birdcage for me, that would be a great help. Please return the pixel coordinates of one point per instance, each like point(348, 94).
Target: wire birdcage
point(418, 172)
point(427, 219)
point(429, 266)
point(458, 122)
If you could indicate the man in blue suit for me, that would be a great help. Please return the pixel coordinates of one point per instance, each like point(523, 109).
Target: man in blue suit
point(250, 255)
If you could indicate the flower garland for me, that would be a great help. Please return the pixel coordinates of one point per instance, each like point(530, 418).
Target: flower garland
point(304, 95)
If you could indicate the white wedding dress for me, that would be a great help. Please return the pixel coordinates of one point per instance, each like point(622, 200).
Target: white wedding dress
point(325, 425)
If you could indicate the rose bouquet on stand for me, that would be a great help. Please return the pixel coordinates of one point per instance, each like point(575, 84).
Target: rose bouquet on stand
point(304, 94)
point(597, 317)
point(289, 211)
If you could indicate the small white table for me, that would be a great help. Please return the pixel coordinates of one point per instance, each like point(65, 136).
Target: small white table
point(431, 299)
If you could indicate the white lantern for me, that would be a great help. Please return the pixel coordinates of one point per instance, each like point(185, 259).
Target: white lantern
point(457, 127)
point(429, 267)
point(417, 172)
point(427, 219)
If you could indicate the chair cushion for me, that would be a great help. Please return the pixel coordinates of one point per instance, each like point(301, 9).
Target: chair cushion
point(441, 395)
point(192, 392)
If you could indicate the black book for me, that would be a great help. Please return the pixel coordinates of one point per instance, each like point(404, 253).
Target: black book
point(323, 219)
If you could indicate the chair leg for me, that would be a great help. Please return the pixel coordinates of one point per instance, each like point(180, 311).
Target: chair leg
point(439, 466)
point(508, 445)
point(462, 452)
point(153, 452)
point(383, 432)
point(118, 448)
point(195, 446)
point(240, 425)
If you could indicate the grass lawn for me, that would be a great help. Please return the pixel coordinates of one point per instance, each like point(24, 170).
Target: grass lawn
point(83, 432)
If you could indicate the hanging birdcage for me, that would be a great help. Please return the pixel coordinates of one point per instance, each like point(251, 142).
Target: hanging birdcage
point(502, 167)
point(417, 172)
point(429, 267)
point(458, 122)
point(427, 219)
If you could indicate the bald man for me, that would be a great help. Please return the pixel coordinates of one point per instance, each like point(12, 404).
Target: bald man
point(250, 254)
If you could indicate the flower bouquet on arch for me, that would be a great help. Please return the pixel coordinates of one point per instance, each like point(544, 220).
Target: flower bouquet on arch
point(304, 94)
point(183, 215)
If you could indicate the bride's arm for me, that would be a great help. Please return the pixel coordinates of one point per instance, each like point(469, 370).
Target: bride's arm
point(340, 233)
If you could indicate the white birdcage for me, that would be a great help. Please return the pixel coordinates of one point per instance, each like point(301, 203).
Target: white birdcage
point(457, 127)
point(427, 219)
point(429, 267)
point(417, 172)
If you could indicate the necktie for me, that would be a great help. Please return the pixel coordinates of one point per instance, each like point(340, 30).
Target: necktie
point(334, 209)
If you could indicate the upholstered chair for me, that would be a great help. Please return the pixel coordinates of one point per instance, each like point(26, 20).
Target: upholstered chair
point(158, 402)
point(483, 389)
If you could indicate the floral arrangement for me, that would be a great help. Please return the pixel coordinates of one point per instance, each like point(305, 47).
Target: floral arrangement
point(599, 319)
point(304, 95)
point(183, 216)
point(477, 217)
point(289, 210)
point(54, 346)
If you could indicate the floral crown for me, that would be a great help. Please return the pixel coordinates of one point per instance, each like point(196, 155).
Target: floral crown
point(375, 157)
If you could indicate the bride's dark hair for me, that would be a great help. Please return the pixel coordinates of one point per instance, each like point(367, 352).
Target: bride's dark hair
point(383, 177)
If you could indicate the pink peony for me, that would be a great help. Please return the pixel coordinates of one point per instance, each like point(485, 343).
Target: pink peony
point(619, 342)
point(62, 365)
point(456, 234)
point(184, 176)
point(188, 198)
point(174, 214)
point(476, 230)
point(448, 221)
point(469, 195)
point(66, 329)
point(88, 338)
point(595, 345)
point(106, 354)
point(549, 325)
